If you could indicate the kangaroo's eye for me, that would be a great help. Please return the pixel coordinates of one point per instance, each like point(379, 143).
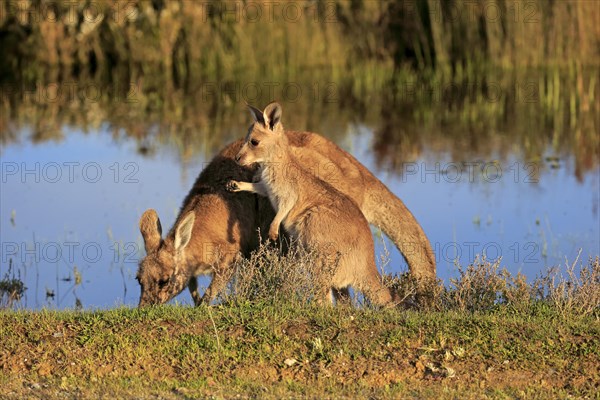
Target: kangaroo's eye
point(163, 282)
point(254, 142)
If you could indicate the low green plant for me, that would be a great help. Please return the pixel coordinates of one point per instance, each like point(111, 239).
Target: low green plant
point(12, 288)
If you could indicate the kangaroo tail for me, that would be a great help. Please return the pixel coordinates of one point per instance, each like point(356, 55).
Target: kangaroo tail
point(382, 208)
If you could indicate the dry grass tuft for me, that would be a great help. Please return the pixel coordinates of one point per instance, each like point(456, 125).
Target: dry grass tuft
point(478, 286)
point(572, 291)
point(272, 275)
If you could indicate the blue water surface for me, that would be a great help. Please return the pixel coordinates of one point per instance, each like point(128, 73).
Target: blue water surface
point(69, 213)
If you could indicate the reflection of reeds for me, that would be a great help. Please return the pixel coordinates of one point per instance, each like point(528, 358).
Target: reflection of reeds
point(177, 72)
point(527, 111)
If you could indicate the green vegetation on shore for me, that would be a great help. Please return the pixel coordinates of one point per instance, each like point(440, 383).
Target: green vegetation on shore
point(274, 350)
point(487, 333)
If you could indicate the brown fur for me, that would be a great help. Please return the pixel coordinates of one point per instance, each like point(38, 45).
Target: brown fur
point(224, 227)
point(315, 214)
point(226, 223)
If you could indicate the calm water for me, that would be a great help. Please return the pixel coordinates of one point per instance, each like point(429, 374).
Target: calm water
point(69, 211)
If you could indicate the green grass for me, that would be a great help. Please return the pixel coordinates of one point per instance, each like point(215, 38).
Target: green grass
point(176, 352)
point(488, 333)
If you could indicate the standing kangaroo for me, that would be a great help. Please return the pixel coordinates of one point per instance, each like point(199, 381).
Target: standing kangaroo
point(313, 213)
point(224, 224)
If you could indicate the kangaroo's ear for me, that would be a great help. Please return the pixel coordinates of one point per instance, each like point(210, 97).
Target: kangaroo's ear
point(183, 234)
point(151, 230)
point(272, 115)
point(257, 115)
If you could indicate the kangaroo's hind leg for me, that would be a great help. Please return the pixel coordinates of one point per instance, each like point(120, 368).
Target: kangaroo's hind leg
point(376, 291)
point(193, 287)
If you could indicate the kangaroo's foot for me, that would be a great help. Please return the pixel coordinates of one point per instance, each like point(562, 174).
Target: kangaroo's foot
point(342, 297)
point(274, 232)
point(193, 286)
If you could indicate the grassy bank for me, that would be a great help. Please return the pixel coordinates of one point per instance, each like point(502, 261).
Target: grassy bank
point(274, 350)
point(487, 334)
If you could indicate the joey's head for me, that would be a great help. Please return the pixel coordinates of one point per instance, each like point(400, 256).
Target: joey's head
point(162, 274)
point(264, 136)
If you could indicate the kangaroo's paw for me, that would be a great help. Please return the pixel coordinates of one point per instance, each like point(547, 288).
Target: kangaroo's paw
point(232, 186)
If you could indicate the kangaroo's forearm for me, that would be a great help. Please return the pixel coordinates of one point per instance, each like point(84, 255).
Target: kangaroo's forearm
point(257, 188)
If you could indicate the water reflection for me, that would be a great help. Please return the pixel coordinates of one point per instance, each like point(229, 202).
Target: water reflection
point(506, 115)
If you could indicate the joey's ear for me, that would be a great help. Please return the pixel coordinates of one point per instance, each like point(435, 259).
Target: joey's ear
point(272, 115)
point(257, 115)
point(151, 230)
point(183, 234)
